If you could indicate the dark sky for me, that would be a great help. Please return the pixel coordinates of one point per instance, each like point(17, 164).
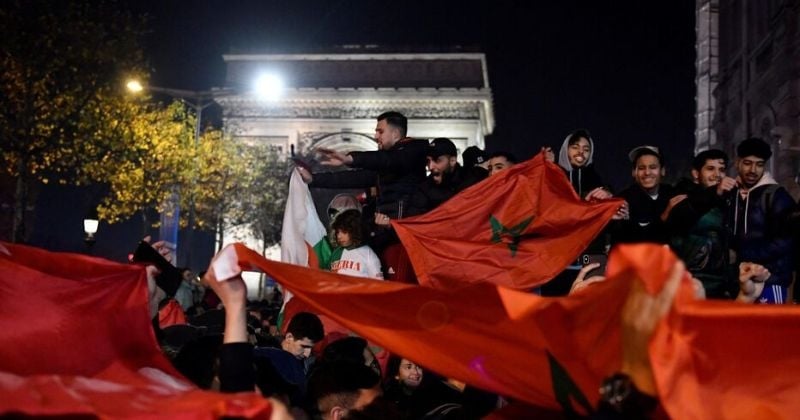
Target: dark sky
point(622, 69)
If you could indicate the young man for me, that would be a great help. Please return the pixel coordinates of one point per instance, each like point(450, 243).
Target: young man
point(758, 217)
point(575, 158)
point(282, 371)
point(696, 222)
point(396, 168)
point(500, 161)
point(447, 178)
point(647, 198)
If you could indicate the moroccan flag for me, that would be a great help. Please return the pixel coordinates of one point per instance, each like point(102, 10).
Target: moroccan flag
point(76, 339)
point(518, 229)
point(711, 359)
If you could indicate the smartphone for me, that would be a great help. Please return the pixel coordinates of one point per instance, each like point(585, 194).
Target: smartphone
point(169, 278)
point(300, 162)
point(602, 259)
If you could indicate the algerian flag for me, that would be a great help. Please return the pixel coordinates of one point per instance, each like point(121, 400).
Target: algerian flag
point(303, 240)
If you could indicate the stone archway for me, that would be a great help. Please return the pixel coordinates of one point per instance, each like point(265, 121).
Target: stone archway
point(345, 142)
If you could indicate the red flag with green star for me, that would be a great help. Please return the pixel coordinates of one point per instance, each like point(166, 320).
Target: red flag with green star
point(519, 229)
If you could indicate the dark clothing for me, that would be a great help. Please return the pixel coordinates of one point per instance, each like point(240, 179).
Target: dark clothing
point(396, 172)
point(236, 373)
point(430, 195)
point(584, 179)
point(644, 224)
point(414, 404)
point(760, 235)
point(699, 236)
point(280, 373)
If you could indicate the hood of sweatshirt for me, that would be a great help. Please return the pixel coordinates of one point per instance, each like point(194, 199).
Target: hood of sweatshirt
point(563, 158)
point(765, 180)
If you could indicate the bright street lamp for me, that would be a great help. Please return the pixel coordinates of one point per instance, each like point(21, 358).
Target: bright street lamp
point(90, 228)
point(268, 87)
point(134, 86)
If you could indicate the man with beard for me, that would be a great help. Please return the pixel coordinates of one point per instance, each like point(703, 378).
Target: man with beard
point(446, 177)
point(696, 221)
point(759, 213)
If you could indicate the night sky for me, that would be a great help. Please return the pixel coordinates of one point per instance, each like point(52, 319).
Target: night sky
point(622, 69)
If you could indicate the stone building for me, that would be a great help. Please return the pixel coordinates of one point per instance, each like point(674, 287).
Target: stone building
point(748, 79)
point(331, 100)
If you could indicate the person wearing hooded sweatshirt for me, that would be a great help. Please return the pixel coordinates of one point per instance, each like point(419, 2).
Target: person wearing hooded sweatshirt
point(760, 211)
point(575, 158)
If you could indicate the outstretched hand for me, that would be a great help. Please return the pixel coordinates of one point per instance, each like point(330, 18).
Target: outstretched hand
point(233, 294)
point(548, 154)
point(581, 282)
point(751, 281)
point(640, 316)
point(332, 157)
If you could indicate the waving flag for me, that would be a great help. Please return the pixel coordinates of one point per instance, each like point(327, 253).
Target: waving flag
point(77, 340)
point(554, 352)
point(518, 229)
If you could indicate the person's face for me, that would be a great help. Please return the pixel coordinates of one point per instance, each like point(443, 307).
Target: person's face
point(498, 164)
point(440, 166)
point(578, 152)
point(343, 238)
point(386, 135)
point(409, 374)
point(710, 174)
point(750, 169)
point(188, 276)
point(648, 172)
point(299, 348)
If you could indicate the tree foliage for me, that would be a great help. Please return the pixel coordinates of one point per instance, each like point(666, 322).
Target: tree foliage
point(149, 161)
point(240, 185)
point(62, 64)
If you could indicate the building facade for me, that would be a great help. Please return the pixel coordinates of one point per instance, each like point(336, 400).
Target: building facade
point(331, 100)
point(748, 79)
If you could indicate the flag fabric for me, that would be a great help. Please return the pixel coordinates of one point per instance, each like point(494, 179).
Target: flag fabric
point(76, 339)
point(303, 242)
point(710, 359)
point(518, 229)
point(303, 239)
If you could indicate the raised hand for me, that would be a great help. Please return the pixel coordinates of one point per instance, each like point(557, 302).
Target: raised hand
point(332, 157)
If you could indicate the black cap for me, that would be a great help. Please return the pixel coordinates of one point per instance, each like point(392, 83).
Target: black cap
point(474, 156)
point(441, 146)
point(754, 146)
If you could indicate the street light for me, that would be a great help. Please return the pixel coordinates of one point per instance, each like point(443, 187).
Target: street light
point(90, 227)
point(267, 86)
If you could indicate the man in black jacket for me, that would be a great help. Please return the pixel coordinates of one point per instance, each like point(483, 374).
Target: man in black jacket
point(446, 178)
point(396, 168)
point(647, 199)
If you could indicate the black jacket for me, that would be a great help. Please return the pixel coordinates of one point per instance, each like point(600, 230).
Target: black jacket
point(430, 195)
point(396, 172)
point(644, 224)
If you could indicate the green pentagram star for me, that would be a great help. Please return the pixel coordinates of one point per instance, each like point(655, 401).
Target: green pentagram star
point(512, 234)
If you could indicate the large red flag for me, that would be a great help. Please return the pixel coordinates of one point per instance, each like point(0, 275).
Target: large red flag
point(519, 229)
point(711, 359)
point(75, 338)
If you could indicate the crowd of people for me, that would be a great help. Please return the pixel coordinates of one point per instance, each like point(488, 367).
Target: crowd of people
point(729, 222)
